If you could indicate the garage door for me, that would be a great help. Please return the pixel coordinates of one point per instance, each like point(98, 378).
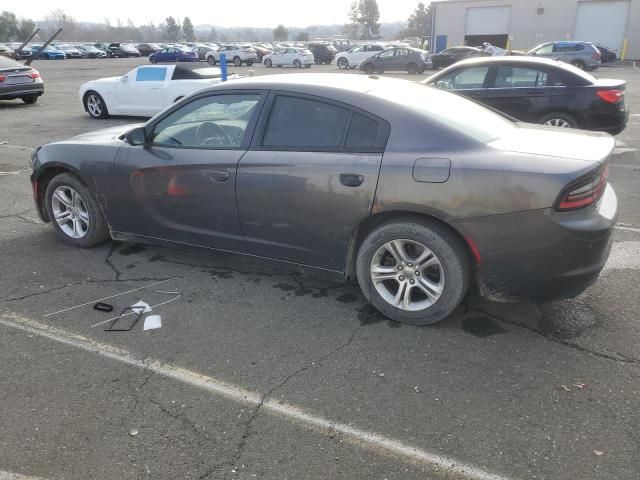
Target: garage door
point(602, 22)
point(488, 20)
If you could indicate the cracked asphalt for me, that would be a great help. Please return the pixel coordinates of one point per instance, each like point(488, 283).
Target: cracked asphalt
point(517, 390)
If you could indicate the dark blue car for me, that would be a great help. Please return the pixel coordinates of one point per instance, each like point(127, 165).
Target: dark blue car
point(174, 54)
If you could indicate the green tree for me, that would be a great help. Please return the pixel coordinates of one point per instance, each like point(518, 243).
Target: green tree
point(8, 26)
point(187, 29)
point(302, 37)
point(351, 28)
point(280, 33)
point(419, 23)
point(368, 16)
point(25, 29)
point(172, 29)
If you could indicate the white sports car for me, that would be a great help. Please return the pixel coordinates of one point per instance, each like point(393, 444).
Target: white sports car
point(292, 56)
point(145, 90)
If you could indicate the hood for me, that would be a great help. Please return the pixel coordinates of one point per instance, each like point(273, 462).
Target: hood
point(557, 142)
point(104, 80)
point(105, 135)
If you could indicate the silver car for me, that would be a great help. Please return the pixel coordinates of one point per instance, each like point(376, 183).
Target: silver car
point(584, 55)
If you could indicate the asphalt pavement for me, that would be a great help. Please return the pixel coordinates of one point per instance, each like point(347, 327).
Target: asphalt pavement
point(263, 371)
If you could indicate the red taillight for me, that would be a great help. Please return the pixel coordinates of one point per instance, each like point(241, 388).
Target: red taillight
point(611, 96)
point(584, 192)
point(2, 77)
point(33, 74)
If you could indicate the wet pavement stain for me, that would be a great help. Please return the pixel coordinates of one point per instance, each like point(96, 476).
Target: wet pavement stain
point(217, 274)
point(157, 258)
point(285, 287)
point(481, 327)
point(369, 316)
point(130, 266)
point(132, 249)
point(347, 298)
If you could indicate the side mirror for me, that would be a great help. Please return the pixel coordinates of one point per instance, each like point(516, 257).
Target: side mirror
point(136, 136)
point(124, 78)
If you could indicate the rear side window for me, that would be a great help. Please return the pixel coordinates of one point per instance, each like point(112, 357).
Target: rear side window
point(150, 74)
point(363, 133)
point(301, 123)
point(519, 77)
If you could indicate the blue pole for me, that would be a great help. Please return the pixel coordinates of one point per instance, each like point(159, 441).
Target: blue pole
point(223, 66)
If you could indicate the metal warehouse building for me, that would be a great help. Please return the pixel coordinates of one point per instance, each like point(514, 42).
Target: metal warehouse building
point(523, 24)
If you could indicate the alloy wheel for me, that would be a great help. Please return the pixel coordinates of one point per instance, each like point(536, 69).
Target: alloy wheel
point(558, 122)
point(94, 105)
point(70, 212)
point(343, 63)
point(407, 275)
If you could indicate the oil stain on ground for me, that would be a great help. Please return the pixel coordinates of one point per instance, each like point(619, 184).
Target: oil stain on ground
point(369, 315)
point(347, 298)
point(132, 249)
point(481, 326)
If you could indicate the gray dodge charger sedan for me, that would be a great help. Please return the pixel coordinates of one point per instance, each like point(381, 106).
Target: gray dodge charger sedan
point(417, 193)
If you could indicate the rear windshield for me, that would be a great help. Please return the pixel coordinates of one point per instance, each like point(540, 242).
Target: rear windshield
point(576, 71)
point(186, 73)
point(464, 115)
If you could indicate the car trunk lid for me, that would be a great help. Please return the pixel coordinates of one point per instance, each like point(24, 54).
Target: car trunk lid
point(557, 142)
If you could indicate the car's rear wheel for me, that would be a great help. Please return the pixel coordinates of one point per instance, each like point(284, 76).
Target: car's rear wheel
point(579, 64)
point(412, 69)
point(413, 272)
point(268, 63)
point(369, 69)
point(559, 119)
point(343, 63)
point(75, 215)
point(95, 106)
point(211, 60)
point(30, 100)
point(297, 63)
point(237, 61)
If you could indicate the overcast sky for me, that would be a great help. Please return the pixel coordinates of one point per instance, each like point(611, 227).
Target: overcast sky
point(234, 13)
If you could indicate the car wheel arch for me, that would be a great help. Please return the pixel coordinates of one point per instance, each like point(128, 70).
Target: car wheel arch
point(45, 174)
point(370, 223)
point(577, 116)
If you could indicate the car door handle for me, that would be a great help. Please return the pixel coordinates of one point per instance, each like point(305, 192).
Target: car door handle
point(218, 176)
point(351, 179)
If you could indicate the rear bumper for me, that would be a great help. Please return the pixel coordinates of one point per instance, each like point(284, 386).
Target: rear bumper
point(612, 119)
point(542, 255)
point(10, 92)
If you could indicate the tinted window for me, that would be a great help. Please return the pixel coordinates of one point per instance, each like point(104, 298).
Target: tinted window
point(515, 77)
point(301, 123)
point(386, 54)
point(363, 132)
point(216, 121)
point(464, 79)
point(150, 74)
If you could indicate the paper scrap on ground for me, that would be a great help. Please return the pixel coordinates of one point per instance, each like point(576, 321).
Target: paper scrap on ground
point(141, 307)
point(152, 321)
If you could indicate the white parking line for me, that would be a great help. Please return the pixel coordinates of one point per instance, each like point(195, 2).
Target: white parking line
point(627, 228)
point(363, 438)
point(624, 256)
point(4, 475)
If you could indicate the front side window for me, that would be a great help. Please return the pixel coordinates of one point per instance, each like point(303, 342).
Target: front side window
point(543, 49)
point(520, 77)
point(217, 121)
point(387, 54)
point(464, 79)
point(151, 74)
point(305, 124)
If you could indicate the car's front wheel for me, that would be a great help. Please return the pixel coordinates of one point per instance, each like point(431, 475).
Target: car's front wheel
point(413, 272)
point(95, 106)
point(237, 61)
point(343, 63)
point(211, 61)
point(268, 63)
point(75, 215)
point(369, 69)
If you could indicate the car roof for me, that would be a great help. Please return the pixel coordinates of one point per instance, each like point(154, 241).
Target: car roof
point(549, 62)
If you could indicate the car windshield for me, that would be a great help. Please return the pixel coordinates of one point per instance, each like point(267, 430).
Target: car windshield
point(459, 113)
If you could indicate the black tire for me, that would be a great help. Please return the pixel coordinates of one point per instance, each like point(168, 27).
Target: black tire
point(237, 61)
point(447, 247)
point(30, 100)
point(153, 60)
point(369, 69)
point(98, 230)
point(579, 64)
point(249, 63)
point(104, 113)
point(343, 63)
point(297, 63)
point(412, 69)
point(268, 63)
point(211, 60)
point(307, 66)
point(560, 117)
